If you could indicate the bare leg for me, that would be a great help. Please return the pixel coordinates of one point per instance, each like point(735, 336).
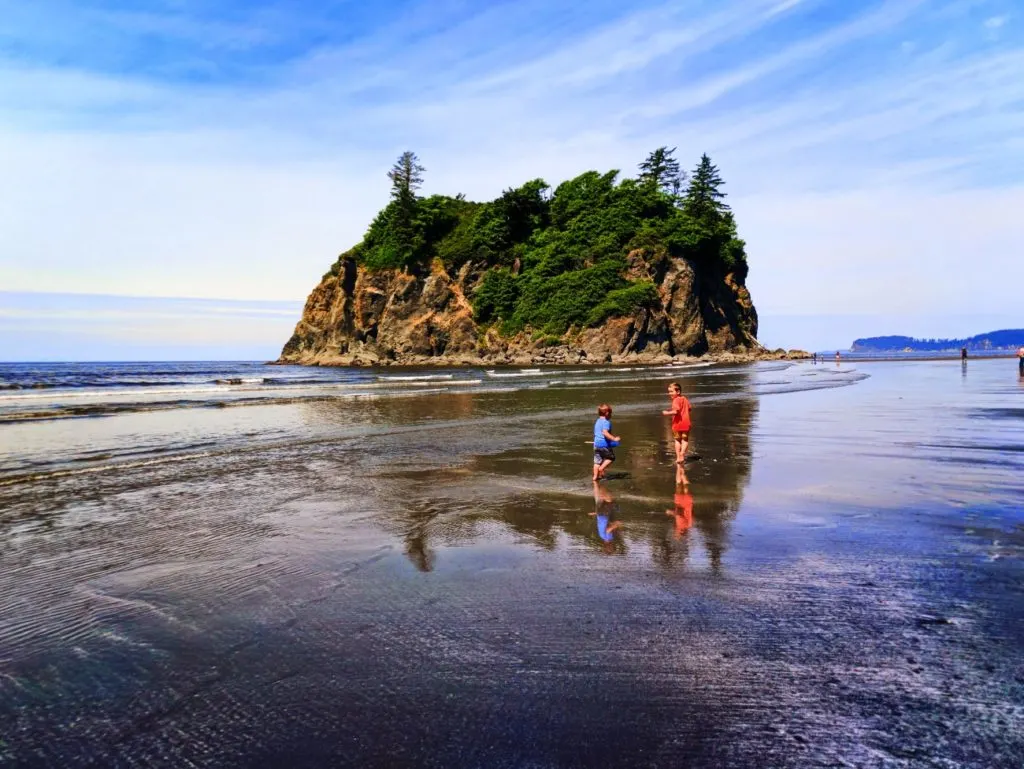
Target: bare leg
point(599, 473)
point(681, 479)
point(681, 446)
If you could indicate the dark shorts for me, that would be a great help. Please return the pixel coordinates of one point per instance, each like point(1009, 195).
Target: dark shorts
point(681, 435)
point(601, 455)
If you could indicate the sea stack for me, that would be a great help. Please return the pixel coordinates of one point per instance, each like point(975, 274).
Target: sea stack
point(600, 271)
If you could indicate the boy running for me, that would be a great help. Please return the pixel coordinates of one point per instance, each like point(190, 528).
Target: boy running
point(680, 413)
point(604, 441)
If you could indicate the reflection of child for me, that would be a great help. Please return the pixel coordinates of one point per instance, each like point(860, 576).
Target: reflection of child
point(683, 511)
point(603, 510)
point(604, 441)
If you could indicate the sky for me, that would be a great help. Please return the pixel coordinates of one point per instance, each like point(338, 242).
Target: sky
point(176, 175)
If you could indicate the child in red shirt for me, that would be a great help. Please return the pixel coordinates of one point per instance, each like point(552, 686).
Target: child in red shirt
point(680, 413)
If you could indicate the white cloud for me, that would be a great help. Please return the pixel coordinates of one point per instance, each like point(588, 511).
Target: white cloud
point(89, 327)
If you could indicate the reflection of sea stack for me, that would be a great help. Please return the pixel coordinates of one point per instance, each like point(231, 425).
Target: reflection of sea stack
point(720, 492)
point(717, 491)
point(418, 551)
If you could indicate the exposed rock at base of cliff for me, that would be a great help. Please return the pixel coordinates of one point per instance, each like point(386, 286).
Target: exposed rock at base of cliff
point(391, 316)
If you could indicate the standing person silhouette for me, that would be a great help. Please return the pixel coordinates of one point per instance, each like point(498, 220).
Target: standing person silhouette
point(604, 441)
point(680, 413)
point(1020, 361)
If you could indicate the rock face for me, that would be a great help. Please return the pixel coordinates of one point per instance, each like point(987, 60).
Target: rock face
point(357, 317)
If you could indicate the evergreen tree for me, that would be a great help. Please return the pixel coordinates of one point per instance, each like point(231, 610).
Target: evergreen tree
point(661, 170)
point(704, 197)
point(406, 177)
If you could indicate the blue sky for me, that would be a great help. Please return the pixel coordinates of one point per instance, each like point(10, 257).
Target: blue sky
point(227, 150)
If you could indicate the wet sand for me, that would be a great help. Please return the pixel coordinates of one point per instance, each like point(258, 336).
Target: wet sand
point(420, 581)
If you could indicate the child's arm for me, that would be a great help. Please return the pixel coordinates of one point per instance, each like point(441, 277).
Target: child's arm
point(609, 436)
point(672, 411)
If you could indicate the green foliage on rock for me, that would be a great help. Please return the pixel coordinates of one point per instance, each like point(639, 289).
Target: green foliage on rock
point(555, 260)
point(623, 301)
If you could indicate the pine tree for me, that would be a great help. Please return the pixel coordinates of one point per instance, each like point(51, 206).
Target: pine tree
point(704, 197)
point(406, 177)
point(661, 170)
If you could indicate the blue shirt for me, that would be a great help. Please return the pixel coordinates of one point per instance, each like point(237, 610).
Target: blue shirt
point(602, 424)
point(602, 528)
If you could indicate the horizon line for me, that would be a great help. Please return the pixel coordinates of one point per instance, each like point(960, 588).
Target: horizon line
point(142, 296)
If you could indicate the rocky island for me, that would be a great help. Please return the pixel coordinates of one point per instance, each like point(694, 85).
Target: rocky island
point(601, 270)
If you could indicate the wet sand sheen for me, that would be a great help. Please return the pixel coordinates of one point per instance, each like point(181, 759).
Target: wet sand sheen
point(420, 582)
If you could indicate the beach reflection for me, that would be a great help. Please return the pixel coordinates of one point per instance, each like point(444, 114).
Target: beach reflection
point(682, 512)
point(536, 492)
point(605, 512)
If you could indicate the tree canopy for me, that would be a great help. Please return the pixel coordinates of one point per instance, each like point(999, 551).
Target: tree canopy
point(555, 259)
point(661, 169)
point(704, 197)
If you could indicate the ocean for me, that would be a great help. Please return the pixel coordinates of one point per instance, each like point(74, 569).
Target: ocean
point(240, 564)
point(36, 400)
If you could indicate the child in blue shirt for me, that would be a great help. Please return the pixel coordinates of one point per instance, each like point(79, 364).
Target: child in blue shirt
point(604, 441)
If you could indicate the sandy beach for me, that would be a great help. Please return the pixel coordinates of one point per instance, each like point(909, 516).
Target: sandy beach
point(389, 572)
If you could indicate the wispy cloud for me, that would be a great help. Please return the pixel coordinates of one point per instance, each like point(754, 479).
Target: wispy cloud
point(231, 149)
point(46, 326)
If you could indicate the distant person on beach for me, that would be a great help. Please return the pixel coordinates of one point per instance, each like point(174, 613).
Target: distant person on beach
point(682, 511)
point(680, 413)
point(603, 509)
point(837, 356)
point(1020, 361)
point(604, 441)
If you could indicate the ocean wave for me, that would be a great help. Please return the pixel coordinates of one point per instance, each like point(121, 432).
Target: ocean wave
point(91, 393)
point(81, 384)
point(238, 380)
point(45, 475)
point(415, 378)
point(510, 374)
point(293, 380)
point(353, 391)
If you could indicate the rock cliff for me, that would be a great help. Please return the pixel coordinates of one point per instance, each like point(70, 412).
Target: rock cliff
point(415, 316)
point(602, 269)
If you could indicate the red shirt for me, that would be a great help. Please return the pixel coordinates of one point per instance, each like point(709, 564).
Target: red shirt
point(681, 419)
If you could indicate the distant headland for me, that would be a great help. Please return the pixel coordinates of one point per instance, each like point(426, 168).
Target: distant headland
point(1007, 339)
point(602, 269)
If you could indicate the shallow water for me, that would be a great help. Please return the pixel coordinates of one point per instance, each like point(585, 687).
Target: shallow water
point(411, 574)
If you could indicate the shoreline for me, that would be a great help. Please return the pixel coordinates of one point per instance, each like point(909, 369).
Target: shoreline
point(552, 357)
point(867, 358)
point(563, 357)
